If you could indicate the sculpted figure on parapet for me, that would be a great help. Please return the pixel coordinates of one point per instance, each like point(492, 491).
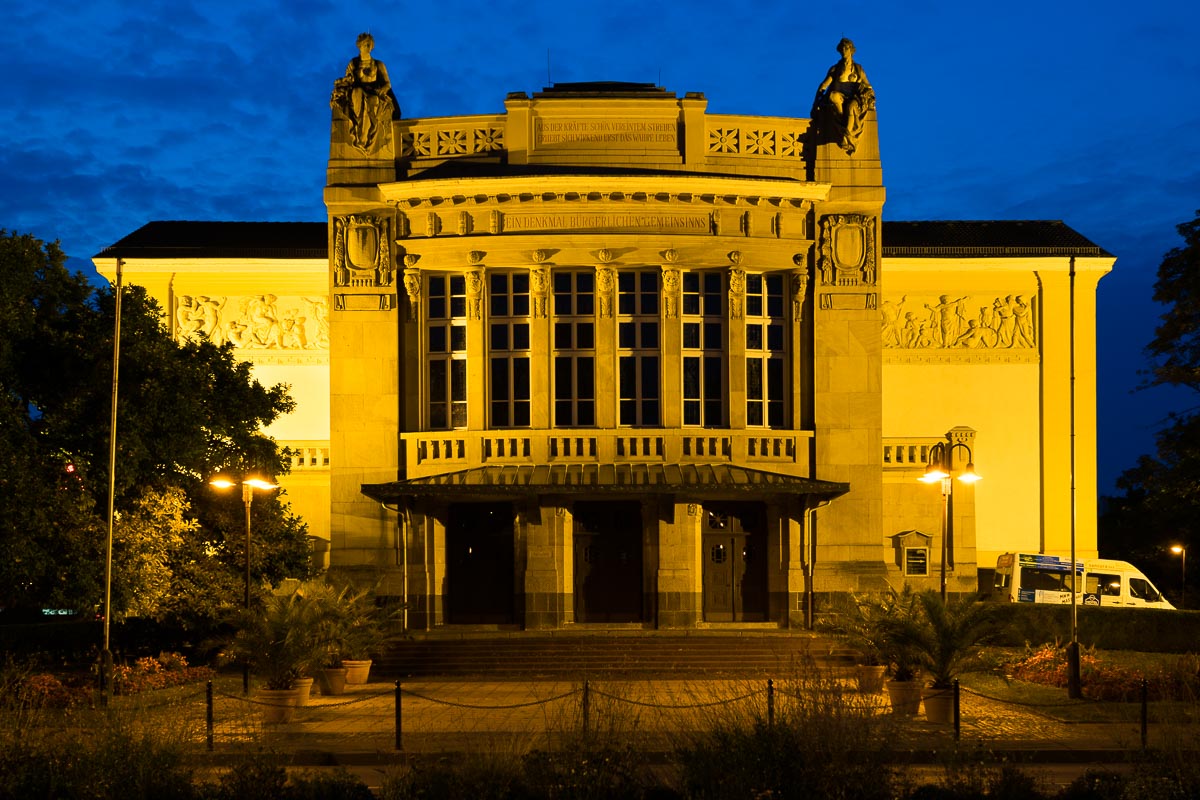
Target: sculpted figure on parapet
point(365, 96)
point(843, 100)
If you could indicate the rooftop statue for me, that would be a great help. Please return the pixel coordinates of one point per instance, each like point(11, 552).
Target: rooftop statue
point(365, 96)
point(843, 100)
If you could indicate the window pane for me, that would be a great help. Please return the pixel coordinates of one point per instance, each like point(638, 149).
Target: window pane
point(500, 379)
point(627, 335)
point(775, 337)
point(521, 414)
point(754, 337)
point(458, 415)
point(754, 379)
point(691, 334)
point(520, 337)
point(437, 381)
point(562, 335)
point(691, 378)
point(585, 379)
point(437, 339)
point(650, 334)
point(500, 337)
point(650, 377)
point(584, 336)
point(458, 380)
point(713, 339)
point(520, 378)
point(458, 338)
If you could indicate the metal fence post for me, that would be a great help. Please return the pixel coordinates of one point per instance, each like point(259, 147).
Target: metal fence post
point(585, 706)
point(399, 719)
point(770, 703)
point(1145, 714)
point(957, 714)
point(208, 715)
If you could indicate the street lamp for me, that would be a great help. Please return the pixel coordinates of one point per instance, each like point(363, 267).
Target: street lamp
point(1181, 551)
point(249, 484)
point(938, 470)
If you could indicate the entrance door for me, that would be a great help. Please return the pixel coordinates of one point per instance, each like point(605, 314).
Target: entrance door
point(608, 562)
point(479, 564)
point(735, 563)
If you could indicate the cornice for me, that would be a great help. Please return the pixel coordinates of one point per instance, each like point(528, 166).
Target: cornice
point(664, 189)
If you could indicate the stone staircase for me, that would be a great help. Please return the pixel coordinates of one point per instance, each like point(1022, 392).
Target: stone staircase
point(644, 654)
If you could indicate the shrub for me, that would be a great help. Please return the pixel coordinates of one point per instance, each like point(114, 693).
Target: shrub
point(337, 785)
point(579, 772)
point(473, 778)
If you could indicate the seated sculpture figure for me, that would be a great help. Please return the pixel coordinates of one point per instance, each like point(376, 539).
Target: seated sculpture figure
point(365, 96)
point(843, 100)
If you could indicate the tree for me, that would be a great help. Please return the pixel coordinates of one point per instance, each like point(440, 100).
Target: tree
point(1161, 495)
point(184, 412)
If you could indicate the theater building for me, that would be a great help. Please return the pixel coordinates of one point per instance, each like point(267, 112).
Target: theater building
point(604, 358)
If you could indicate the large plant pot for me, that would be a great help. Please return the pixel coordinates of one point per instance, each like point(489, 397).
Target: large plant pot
point(332, 680)
point(905, 697)
point(278, 705)
point(869, 678)
point(304, 690)
point(939, 705)
point(357, 672)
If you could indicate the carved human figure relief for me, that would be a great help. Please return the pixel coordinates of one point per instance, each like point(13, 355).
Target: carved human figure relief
point(412, 287)
point(605, 282)
point(737, 292)
point(1001, 323)
point(670, 282)
point(475, 294)
point(539, 283)
point(799, 291)
point(364, 96)
point(260, 322)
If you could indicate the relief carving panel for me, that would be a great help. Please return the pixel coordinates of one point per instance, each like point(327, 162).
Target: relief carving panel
point(362, 251)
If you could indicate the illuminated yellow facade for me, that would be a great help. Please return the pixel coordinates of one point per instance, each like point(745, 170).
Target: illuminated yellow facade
point(606, 358)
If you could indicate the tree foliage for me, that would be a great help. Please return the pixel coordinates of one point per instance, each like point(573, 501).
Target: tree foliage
point(1160, 495)
point(184, 412)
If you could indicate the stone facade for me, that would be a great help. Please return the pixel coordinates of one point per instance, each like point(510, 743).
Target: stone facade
point(605, 358)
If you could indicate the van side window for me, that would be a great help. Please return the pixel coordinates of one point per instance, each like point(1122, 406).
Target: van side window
point(1110, 585)
point(1141, 589)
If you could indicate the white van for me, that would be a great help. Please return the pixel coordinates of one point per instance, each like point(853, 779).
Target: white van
point(1035, 578)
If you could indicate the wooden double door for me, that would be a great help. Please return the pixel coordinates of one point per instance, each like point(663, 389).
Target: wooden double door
point(735, 563)
point(608, 562)
point(480, 564)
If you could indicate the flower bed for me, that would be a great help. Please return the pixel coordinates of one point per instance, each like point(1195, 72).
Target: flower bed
point(46, 690)
point(1106, 681)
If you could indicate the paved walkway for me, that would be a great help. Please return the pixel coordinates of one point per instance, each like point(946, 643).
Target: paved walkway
point(516, 716)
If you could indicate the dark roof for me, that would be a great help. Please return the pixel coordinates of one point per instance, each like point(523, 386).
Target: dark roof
point(603, 479)
point(177, 239)
point(959, 238)
point(937, 239)
point(604, 89)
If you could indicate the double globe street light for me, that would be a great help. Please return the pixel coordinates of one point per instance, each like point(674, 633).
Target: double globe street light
point(249, 484)
point(938, 469)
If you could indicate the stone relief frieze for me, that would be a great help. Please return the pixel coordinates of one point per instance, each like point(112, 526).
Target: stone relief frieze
point(945, 322)
point(362, 251)
point(255, 322)
point(847, 254)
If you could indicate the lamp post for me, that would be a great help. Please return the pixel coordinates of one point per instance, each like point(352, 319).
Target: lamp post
point(249, 484)
point(938, 470)
point(1181, 551)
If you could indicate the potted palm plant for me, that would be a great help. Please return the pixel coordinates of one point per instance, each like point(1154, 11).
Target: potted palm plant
point(353, 629)
point(874, 626)
point(279, 642)
point(948, 638)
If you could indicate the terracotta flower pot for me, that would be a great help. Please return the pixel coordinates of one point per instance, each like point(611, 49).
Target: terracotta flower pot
point(905, 697)
point(332, 681)
point(278, 705)
point(357, 671)
point(939, 705)
point(304, 689)
point(869, 678)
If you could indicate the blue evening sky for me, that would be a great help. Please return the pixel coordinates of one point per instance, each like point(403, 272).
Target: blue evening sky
point(118, 113)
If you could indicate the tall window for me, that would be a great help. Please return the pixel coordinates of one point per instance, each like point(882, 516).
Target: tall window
point(446, 311)
point(766, 351)
point(508, 345)
point(637, 347)
point(703, 349)
point(574, 349)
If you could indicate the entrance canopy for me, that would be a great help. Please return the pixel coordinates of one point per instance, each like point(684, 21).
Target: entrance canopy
point(592, 479)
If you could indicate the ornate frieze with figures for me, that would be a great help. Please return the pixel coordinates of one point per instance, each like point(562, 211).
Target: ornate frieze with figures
point(254, 322)
point(1003, 323)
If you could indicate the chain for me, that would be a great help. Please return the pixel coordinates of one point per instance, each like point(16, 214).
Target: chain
point(471, 705)
point(672, 706)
